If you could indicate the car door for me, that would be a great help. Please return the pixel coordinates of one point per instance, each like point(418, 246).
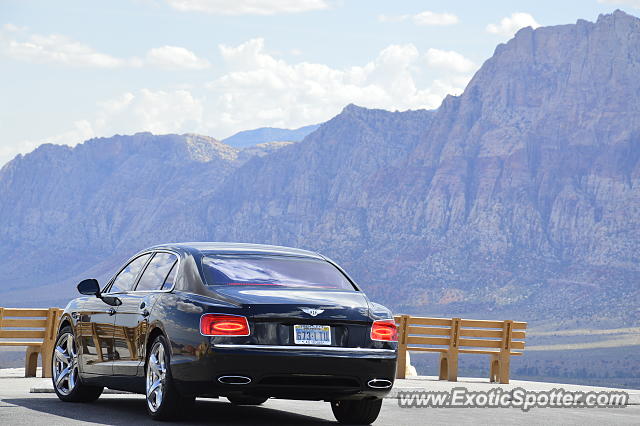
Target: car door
point(131, 323)
point(94, 333)
point(103, 325)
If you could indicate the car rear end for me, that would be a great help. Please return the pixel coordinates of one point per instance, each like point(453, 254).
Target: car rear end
point(299, 329)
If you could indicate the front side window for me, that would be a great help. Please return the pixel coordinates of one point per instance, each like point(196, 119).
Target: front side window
point(272, 270)
point(126, 279)
point(156, 272)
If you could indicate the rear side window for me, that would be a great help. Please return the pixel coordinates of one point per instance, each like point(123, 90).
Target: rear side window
point(156, 272)
point(171, 278)
point(272, 270)
point(126, 279)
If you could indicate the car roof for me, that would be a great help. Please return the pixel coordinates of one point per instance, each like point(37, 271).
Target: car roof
point(235, 248)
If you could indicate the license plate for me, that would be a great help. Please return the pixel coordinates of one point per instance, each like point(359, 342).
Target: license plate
point(312, 334)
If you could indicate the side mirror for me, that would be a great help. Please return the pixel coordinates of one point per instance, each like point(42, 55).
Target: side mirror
point(90, 287)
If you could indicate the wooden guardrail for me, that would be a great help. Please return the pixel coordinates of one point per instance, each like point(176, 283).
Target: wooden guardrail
point(453, 336)
point(40, 326)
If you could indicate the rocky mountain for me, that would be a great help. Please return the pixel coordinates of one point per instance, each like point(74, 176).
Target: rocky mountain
point(68, 209)
point(263, 135)
point(519, 198)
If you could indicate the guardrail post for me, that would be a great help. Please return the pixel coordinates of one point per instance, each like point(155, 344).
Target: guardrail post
point(449, 360)
point(31, 361)
point(401, 369)
point(505, 352)
point(48, 342)
point(501, 363)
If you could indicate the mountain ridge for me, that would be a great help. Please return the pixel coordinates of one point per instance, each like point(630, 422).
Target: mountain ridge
point(518, 197)
point(247, 138)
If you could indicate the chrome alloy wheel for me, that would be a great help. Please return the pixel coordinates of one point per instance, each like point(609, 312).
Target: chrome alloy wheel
point(156, 373)
point(65, 364)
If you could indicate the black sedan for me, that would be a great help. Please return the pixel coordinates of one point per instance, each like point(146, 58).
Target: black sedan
point(243, 321)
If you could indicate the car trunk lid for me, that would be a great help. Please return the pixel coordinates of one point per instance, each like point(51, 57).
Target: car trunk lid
point(277, 314)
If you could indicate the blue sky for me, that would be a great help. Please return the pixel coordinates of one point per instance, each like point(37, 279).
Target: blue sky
point(73, 70)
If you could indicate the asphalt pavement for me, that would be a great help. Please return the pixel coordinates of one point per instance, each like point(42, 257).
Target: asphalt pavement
point(19, 406)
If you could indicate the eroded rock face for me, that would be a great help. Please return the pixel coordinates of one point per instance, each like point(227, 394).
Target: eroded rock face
point(520, 197)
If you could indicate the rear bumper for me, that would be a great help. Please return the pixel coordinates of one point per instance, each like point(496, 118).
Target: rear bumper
point(293, 372)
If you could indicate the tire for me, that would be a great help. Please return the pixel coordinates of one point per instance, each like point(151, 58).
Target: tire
point(163, 400)
point(359, 412)
point(65, 376)
point(247, 400)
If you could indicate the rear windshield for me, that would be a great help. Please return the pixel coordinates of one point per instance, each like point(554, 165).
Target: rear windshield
point(280, 271)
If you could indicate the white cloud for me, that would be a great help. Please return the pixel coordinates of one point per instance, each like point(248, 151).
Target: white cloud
point(17, 43)
point(174, 57)
point(432, 18)
point(54, 48)
point(260, 89)
point(424, 18)
point(631, 3)
point(247, 7)
point(13, 28)
point(8, 151)
point(157, 111)
point(448, 59)
point(393, 18)
point(509, 25)
point(80, 131)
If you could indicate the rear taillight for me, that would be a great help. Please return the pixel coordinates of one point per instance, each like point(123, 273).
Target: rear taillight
point(223, 325)
point(384, 330)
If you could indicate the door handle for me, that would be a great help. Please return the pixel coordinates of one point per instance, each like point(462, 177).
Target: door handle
point(111, 311)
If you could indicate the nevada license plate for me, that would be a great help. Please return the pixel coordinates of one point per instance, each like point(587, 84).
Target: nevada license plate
point(312, 334)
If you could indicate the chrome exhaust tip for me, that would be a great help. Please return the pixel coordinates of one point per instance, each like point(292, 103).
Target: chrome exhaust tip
point(379, 383)
point(234, 380)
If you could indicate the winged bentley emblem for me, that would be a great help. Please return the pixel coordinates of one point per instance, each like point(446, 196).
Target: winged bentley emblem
point(313, 312)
